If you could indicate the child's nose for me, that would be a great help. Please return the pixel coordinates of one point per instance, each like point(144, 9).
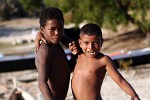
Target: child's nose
point(90, 46)
point(56, 32)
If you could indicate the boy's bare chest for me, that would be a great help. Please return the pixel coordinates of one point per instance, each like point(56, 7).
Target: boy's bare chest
point(57, 56)
point(89, 70)
point(56, 51)
point(84, 61)
point(89, 65)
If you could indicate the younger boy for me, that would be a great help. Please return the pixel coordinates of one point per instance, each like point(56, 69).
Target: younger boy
point(50, 60)
point(92, 65)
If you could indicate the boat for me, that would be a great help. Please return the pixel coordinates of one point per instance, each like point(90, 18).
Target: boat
point(26, 62)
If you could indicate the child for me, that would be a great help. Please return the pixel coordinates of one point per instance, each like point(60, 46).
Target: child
point(50, 60)
point(91, 66)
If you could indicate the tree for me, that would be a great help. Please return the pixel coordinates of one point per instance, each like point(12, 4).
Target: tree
point(138, 15)
point(6, 9)
point(32, 6)
point(107, 13)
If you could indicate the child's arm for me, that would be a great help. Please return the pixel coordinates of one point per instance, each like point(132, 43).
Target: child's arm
point(76, 50)
point(38, 39)
point(72, 45)
point(42, 66)
point(72, 62)
point(118, 78)
point(65, 40)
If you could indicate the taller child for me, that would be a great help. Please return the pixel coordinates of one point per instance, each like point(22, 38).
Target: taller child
point(50, 60)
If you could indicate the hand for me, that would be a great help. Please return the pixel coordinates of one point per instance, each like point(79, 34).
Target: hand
point(39, 38)
point(74, 47)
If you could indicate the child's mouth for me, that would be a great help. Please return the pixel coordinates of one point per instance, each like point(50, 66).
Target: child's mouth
point(91, 52)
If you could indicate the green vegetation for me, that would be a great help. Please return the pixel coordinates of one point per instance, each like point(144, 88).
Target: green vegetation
point(6, 9)
point(106, 13)
point(32, 6)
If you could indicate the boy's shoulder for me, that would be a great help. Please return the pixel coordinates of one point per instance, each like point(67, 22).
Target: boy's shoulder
point(44, 48)
point(101, 55)
point(45, 51)
point(104, 57)
point(47, 46)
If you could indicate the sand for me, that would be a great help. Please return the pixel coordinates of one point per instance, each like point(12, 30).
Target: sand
point(138, 77)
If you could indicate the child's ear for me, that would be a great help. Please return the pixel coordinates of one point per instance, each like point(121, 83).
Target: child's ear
point(42, 30)
point(101, 42)
point(79, 41)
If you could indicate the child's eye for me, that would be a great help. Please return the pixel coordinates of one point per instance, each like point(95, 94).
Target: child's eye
point(86, 43)
point(51, 29)
point(60, 28)
point(95, 42)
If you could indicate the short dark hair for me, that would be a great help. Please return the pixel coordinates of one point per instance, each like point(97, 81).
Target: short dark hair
point(91, 29)
point(50, 13)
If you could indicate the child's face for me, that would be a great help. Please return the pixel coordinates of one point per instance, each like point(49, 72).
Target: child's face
point(53, 30)
point(90, 45)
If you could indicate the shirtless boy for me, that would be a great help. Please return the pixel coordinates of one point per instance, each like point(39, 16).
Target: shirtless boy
point(50, 60)
point(91, 67)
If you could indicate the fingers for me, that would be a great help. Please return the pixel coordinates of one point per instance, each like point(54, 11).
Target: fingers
point(38, 40)
point(36, 51)
point(74, 52)
point(37, 44)
point(73, 48)
point(44, 40)
point(71, 44)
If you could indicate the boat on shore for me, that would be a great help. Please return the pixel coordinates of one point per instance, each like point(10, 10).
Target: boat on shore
point(24, 62)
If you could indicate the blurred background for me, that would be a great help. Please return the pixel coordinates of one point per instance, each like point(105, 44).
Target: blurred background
point(125, 25)
point(121, 21)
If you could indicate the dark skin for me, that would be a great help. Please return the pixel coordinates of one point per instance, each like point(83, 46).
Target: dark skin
point(73, 46)
point(52, 64)
point(90, 70)
point(52, 84)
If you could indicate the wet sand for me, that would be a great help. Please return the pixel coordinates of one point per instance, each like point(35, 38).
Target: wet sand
point(138, 77)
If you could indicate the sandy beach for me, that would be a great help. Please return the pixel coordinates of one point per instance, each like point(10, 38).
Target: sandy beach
point(138, 77)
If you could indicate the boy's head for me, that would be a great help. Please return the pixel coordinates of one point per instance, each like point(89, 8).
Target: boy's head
point(91, 29)
point(52, 24)
point(50, 13)
point(90, 39)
